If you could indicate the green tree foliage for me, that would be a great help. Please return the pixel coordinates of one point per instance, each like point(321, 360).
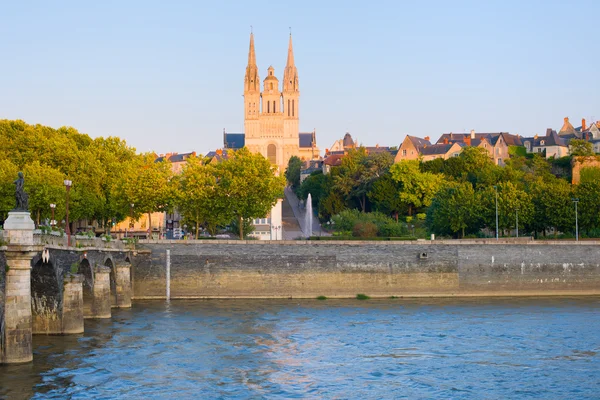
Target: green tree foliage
point(8, 174)
point(292, 172)
point(149, 186)
point(511, 199)
point(455, 209)
point(590, 174)
point(44, 185)
point(417, 188)
point(248, 186)
point(357, 173)
point(552, 207)
point(580, 147)
point(385, 196)
point(317, 184)
point(589, 205)
point(198, 197)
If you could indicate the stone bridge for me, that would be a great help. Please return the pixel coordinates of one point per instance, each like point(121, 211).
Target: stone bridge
point(50, 289)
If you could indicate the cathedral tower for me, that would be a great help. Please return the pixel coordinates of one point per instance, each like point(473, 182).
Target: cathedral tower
point(271, 117)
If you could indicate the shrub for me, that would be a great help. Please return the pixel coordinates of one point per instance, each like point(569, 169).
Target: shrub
point(321, 298)
point(364, 229)
point(393, 229)
point(361, 296)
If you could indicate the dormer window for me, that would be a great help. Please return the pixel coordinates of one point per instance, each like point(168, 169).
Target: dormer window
point(271, 73)
point(542, 143)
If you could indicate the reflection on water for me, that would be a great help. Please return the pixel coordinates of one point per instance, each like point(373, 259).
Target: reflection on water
point(449, 348)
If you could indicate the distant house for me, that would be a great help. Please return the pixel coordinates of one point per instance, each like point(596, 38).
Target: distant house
point(552, 145)
point(177, 160)
point(443, 151)
point(332, 160)
point(216, 156)
point(496, 143)
point(309, 167)
point(410, 149)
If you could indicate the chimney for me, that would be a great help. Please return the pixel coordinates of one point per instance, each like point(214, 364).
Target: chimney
point(219, 152)
point(193, 154)
point(427, 138)
point(445, 140)
point(536, 136)
point(468, 140)
point(583, 124)
point(472, 134)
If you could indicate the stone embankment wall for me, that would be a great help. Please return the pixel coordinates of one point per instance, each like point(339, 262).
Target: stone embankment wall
point(253, 269)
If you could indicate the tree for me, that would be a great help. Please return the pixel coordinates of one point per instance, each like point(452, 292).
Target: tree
point(417, 188)
point(580, 147)
point(292, 172)
point(358, 172)
point(589, 205)
point(455, 208)
point(552, 207)
point(148, 186)
point(8, 174)
point(511, 199)
point(248, 185)
point(197, 197)
point(385, 196)
point(44, 185)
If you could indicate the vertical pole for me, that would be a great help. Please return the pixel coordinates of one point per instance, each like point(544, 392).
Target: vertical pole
point(496, 189)
point(168, 274)
point(576, 224)
point(517, 222)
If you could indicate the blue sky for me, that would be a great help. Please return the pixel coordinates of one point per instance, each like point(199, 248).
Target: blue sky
point(168, 76)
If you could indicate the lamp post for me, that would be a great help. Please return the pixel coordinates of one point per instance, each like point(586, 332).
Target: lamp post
point(52, 221)
point(277, 228)
point(184, 230)
point(496, 189)
point(68, 184)
point(517, 221)
point(576, 200)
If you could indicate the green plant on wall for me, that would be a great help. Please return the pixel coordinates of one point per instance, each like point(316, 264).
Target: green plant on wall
point(74, 268)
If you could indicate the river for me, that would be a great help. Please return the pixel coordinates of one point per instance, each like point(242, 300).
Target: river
point(345, 349)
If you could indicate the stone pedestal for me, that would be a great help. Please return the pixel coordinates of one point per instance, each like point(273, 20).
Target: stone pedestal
point(123, 286)
point(19, 228)
point(100, 307)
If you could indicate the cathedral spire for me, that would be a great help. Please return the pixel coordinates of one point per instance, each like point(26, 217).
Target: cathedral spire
point(251, 80)
point(251, 53)
point(290, 74)
point(290, 57)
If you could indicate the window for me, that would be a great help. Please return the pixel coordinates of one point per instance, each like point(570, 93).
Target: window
point(288, 107)
point(271, 86)
point(274, 109)
point(527, 145)
point(542, 143)
point(539, 150)
point(293, 106)
point(268, 106)
point(403, 153)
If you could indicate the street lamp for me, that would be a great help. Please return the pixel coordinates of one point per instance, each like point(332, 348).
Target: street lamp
point(576, 200)
point(517, 222)
point(52, 221)
point(68, 184)
point(496, 189)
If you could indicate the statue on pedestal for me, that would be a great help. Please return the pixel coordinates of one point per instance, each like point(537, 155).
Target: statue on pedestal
point(20, 195)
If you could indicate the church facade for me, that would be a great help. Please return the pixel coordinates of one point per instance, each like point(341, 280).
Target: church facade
point(271, 115)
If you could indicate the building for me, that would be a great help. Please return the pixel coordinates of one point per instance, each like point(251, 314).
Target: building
point(444, 151)
point(496, 143)
point(551, 145)
point(411, 147)
point(271, 116)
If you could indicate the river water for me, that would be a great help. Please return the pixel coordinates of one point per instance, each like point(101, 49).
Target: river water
point(343, 349)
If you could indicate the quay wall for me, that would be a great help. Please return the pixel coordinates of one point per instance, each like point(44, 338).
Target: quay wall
point(307, 269)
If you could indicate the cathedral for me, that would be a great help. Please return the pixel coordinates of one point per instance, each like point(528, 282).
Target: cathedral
point(271, 116)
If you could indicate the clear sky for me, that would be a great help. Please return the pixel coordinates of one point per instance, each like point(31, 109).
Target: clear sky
point(168, 75)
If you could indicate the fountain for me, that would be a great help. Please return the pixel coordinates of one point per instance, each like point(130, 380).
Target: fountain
point(308, 217)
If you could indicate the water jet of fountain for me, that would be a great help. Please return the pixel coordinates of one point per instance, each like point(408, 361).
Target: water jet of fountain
point(308, 217)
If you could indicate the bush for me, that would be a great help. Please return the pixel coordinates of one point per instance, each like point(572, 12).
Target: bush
point(364, 229)
point(393, 229)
